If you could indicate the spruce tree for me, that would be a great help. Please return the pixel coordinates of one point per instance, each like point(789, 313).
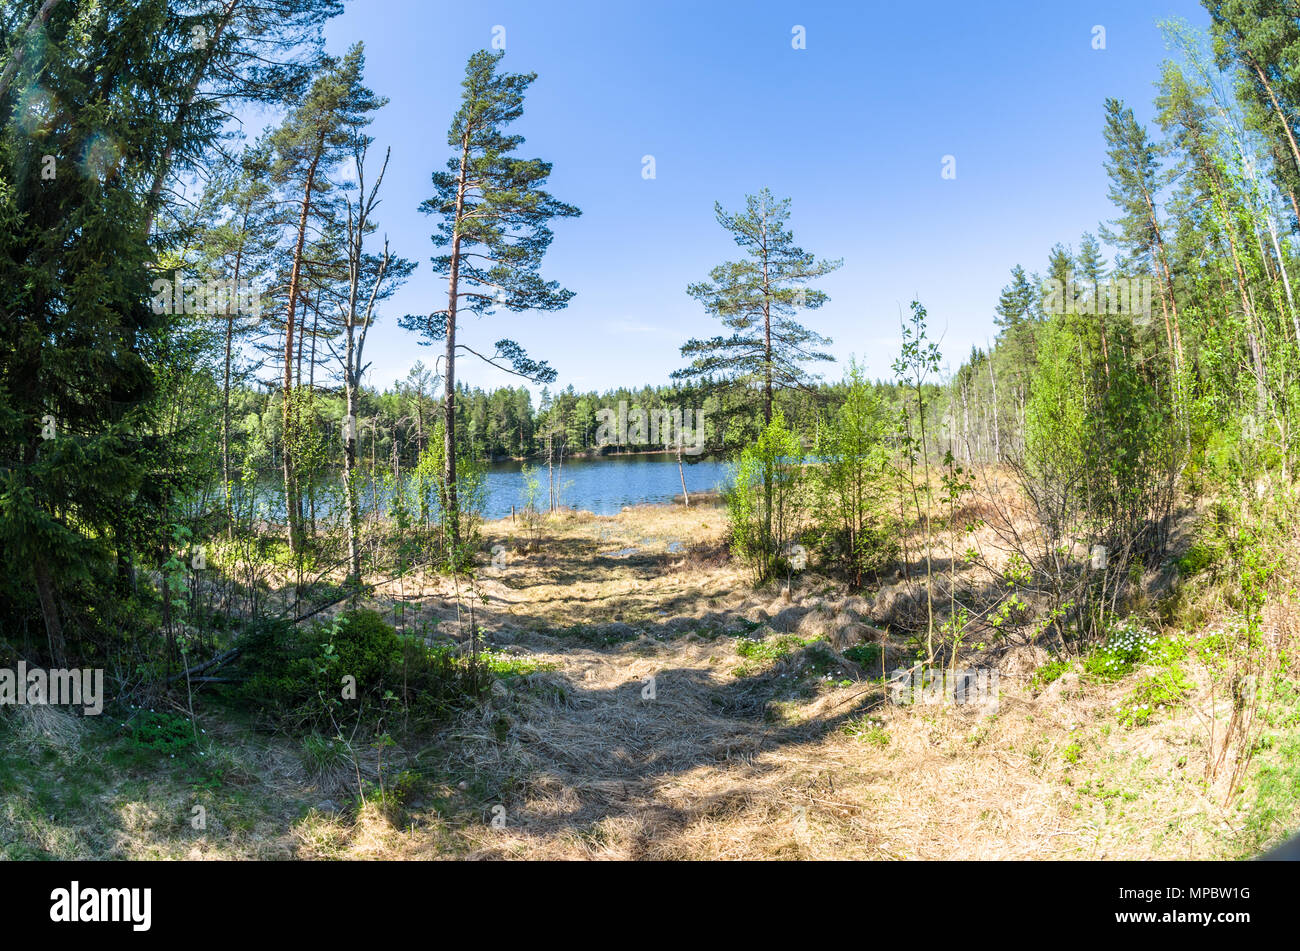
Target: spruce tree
point(78, 338)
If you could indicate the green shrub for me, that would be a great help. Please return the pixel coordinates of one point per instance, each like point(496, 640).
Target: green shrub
point(864, 655)
point(1196, 559)
point(1072, 753)
point(367, 648)
point(1163, 689)
point(439, 682)
point(296, 675)
point(164, 734)
point(761, 501)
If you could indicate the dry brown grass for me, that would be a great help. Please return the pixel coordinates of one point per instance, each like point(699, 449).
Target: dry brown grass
point(724, 763)
point(734, 756)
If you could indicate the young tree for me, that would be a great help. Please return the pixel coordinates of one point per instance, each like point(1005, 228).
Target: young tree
point(850, 479)
point(917, 364)
point(761, 502)
point(494, 217)
point(370, 279)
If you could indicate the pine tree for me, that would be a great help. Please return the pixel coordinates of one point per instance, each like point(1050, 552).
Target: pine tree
point(1133, 164)
point(236, 50)
point(756, 299)
point(1263, 38)
point(238, 227)
point(494, 216)
point(311, 145)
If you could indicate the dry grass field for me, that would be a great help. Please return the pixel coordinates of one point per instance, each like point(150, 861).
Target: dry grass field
point(651, 704)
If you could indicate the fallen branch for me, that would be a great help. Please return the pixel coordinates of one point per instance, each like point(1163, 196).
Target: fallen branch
point(218, 661)
point(329, 604)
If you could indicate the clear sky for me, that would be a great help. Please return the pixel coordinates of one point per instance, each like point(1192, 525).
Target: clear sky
point(853, 128)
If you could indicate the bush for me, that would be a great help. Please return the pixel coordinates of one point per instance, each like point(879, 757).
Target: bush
point(761, 503)
point(268, 648)
point(367, 648)
point(438, 682)
point(864, 655)
point(296, 673)
point(165, 734)
point(296, 676)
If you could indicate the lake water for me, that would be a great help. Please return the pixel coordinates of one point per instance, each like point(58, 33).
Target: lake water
point(603, 485)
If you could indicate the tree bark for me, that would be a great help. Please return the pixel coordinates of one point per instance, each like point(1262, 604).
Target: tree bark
point(50, 613)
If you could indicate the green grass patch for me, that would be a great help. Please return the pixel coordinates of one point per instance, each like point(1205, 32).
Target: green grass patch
point(1051, 672)
point(866, 730)
point(1275, 811)
point(1162, 690)
point(759, 654)
point(865, 655)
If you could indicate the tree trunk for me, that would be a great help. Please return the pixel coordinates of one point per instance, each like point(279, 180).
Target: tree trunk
point(20, 45)
point(1286, 126)
point(686, 496)
point(290, 483)
point(225, 401)
point(1167, 293)
point(451, 511)
point(997, 435)
point(50, 613)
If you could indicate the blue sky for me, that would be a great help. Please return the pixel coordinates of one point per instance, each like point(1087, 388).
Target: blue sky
point(853, 128)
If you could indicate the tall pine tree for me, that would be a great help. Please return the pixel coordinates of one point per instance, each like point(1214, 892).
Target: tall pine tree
point(493, 220)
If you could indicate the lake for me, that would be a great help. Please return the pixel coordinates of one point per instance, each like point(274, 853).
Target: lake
point(602, 485)
point(605, 485)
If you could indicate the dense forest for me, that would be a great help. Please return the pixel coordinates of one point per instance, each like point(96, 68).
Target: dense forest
point(184, 386)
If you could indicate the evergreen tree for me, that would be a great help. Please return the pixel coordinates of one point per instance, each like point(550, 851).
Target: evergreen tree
point(494, 216)
point(78, 339)
point(310, 147)
point(756, 299)
point(1133, 164)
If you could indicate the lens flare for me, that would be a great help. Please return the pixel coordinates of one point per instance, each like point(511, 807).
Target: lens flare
point(101, 157)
